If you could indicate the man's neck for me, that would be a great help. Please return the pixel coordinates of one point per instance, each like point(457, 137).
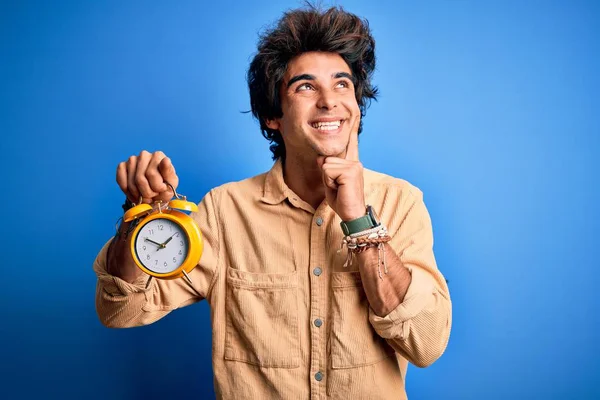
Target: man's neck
point(303, 176)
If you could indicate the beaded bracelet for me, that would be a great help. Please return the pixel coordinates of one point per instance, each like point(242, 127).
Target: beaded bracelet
point(361, 241)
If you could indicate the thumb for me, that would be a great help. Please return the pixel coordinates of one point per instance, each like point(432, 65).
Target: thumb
point(167, 172)
point(166, 169)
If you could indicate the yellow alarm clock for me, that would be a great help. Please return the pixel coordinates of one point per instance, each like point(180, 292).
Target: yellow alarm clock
point(165, 243)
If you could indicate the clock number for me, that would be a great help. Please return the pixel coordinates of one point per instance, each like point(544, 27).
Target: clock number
point(155, 262)
point(150, 231)
point(160, 227)
point(180, 253)
point(165, 264)
point(144, 247)
point(174, 259)
point(177, 234)
point(148, 257)
point(181, 242)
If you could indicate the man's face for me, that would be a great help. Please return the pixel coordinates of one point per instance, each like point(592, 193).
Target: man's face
point(318, 104)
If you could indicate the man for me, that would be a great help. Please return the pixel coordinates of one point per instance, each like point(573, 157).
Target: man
point(312, 294)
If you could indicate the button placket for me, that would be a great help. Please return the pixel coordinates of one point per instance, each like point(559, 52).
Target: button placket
point(318, 298)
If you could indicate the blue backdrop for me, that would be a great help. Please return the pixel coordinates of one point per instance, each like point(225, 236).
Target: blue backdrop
point(491, 108)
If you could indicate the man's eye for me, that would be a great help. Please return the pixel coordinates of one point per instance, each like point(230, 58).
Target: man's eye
point(304, 86)
point(343, 84)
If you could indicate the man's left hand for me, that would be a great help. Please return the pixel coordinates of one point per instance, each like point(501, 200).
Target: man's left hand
point(343, 179)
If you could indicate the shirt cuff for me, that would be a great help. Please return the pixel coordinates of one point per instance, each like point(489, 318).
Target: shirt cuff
point(114, 285)
point(418, 294)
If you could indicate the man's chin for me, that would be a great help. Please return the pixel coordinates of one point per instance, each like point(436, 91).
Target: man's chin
point(330, 152)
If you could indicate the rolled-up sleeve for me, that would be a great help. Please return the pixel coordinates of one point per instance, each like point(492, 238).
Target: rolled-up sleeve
point(419, 327)
point(120, 304)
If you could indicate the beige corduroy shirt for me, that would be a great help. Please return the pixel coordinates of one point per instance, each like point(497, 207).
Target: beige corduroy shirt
point(288, 320)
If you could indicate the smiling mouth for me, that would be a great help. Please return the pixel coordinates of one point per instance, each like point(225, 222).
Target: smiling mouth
point(327, 126)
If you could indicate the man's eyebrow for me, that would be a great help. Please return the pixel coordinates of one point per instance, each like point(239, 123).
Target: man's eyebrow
point(302, 77)
point(338, 75)
point(308, 77)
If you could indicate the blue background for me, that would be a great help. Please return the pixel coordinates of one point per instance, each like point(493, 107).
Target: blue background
point(491, 108)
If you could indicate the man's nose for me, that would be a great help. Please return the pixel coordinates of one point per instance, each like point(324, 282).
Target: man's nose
point(327, 100)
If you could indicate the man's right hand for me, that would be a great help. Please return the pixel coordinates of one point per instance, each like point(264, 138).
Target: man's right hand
point(145, 176)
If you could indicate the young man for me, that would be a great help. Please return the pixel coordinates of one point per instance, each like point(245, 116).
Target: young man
point(293, 317)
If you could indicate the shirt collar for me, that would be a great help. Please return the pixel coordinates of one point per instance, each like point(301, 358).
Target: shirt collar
point(275, 190)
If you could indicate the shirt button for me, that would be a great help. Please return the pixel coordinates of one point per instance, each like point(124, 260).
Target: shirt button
point(318, 322)
point(317, 271)
point(319, 376)
point(319, 221)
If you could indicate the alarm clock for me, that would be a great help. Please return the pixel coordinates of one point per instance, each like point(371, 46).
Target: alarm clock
point(166, 243)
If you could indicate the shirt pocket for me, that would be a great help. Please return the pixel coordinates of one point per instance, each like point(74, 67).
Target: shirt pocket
point(262, 319)
point(354, 342)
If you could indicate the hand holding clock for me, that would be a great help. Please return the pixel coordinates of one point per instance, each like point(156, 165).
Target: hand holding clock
point(142, 176)
point(145, 176)
point(150, 178)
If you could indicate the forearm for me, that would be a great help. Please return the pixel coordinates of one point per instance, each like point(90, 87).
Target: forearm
point(419, 328)
point(121, 304)
point(119, 259)
point(407, 308)
point(385, 294)
point(143, 300)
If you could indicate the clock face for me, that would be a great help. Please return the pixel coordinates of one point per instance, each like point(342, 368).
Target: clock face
point(161, 245)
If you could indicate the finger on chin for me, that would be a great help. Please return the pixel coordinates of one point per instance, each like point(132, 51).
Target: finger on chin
point(320, 161)
point(352, 148)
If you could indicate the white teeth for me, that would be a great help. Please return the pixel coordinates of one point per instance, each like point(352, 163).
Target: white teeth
point(327, 126)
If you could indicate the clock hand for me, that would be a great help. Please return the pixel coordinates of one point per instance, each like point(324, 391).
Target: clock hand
point(152, 241)
point(169, 239)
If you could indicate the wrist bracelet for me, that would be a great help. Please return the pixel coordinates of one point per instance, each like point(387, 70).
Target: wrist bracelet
point(361, 241)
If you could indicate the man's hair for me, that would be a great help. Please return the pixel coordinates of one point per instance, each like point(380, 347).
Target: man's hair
point(300, 31)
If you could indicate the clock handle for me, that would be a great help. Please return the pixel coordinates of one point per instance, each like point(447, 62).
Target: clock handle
point(173, 189)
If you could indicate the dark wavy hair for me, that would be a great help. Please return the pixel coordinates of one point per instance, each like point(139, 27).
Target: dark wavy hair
point(300, 31)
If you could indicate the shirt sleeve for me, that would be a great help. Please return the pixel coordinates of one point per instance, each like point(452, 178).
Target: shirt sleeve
point(419, 327)
point(120, 304)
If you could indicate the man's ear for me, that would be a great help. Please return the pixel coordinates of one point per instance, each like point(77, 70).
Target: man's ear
point(272, 124)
